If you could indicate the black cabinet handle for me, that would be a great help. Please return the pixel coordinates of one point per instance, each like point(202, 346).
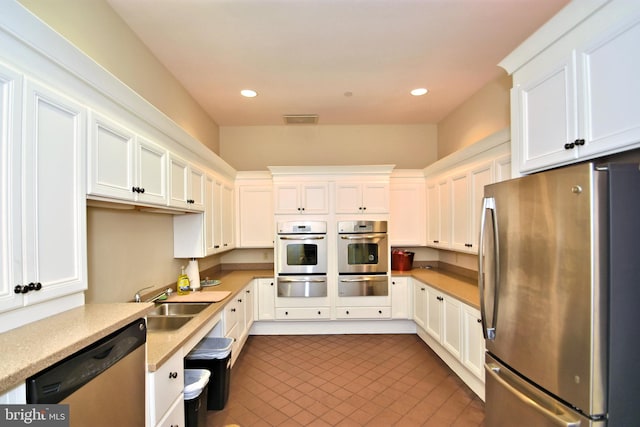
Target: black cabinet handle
point(380, 311)
point(579, 142)
point(173, 375)
point(233, 310)
point(569, 145)
point(436, 241)
point(142, 190)
point(319, 312)
point(17, 289)
point(440, 298)
point(347, 311)
point(286, 313)
point(239, 300)
point(479, 320)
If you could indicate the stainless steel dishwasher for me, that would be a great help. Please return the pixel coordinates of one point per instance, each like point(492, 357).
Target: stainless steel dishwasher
point(103, 384)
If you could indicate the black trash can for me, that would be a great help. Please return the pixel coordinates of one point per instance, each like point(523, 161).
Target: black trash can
point(213, 354)
point(195, 397)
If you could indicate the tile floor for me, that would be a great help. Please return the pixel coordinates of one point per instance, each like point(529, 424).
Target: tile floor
point(345, 380)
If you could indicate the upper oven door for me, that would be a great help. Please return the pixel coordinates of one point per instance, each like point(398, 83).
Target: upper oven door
point(363, 253)
point(302, 254)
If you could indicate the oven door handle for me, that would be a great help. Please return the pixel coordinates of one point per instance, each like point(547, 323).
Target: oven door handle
point(302, 238)
point(291, 280)
point(362, 236)
point(365, 279)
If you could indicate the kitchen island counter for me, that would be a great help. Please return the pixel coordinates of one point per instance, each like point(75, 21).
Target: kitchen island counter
point(33, 347)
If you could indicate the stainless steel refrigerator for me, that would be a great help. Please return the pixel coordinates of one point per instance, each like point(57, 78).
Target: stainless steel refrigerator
point(559, 282)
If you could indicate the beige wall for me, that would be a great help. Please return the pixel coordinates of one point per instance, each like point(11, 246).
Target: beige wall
point(483, 114)
point(98, 31)
point(256, 147)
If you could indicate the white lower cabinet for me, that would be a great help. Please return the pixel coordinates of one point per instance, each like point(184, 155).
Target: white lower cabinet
point(165, 404)
point(363, 313)
point(266, 302)
point(238, 317)
point(473, 350)
point(401, 293)
point(303, 313)
point(451, 329)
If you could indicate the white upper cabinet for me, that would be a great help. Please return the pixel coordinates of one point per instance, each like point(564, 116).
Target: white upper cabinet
point(362, 197)
point(576, 96)
point(50, 232)
point(301, 198)
point(439, 212)
point(123, 165)
point(467, 191)
point(407, 210)
point(254, 212)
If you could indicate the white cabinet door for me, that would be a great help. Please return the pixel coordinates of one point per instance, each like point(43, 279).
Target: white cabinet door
point(10, 192)
point(196, 188)
point(151, 176)
point(547, 116)
point(473, 341)
point(434, 318)
point(111, 159)
point(479, 177)
point(255, 216)
point(178, 182)
point(249, 312)
point(226, 216)
point(315, 198)
point(165, 385)
point(209, 209)
point(460, 210)
point(266, 299)
point(609, 68)
point(420, 304)
point(452, 325)
point(407, 212)
point(362, 197)
point(54, 194)
point(400, 298)
point(439, 217)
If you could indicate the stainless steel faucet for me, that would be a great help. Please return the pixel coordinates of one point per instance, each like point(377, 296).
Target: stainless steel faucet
point(137, 297)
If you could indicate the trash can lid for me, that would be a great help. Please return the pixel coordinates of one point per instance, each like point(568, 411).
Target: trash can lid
point(211, 348)
point(195, 380)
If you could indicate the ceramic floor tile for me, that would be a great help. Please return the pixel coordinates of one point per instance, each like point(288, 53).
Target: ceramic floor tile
point(347, 381)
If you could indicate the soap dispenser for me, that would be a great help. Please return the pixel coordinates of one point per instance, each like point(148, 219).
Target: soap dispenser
point(183, 283)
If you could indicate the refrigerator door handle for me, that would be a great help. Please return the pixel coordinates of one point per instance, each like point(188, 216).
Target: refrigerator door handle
point(540, 406)
point(488, 204)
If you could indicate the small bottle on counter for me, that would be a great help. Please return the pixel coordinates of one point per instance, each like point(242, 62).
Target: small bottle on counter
point(183, 283)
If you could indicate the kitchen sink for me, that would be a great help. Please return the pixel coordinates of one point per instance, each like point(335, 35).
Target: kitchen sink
point(178, 309)
point(166, 323)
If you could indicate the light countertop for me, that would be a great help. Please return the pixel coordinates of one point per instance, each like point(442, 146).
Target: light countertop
point(31, 348)
point(460, 287)
point(34, 347)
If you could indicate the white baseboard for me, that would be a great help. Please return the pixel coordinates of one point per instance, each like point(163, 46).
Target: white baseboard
point(287, 327)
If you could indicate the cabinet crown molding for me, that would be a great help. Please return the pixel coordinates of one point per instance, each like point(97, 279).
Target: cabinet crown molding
point(383, 170)
point(561, 23)
point(494, 140)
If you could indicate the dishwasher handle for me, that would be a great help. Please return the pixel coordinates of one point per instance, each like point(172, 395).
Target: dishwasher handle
point(56, 382)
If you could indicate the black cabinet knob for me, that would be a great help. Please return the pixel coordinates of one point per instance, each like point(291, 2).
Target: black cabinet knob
point(17, 289)
point(569, 145)
point(142, 190)
point(173, 375)
point(286, 313)
point(440, 298)
point(380, 311)
point(364, 208)
point(579, 142)
point(319, 312)
point(347, 311)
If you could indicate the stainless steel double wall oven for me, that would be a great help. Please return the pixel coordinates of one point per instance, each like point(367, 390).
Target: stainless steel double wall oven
point(301, 259)
point(363, 258)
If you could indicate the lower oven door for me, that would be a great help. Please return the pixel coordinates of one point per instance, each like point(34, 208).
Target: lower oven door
point(363, 286)
point(302, 286)
point(363, 253)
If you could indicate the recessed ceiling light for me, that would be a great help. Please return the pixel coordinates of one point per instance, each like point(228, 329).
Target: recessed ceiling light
point(248, 93)
point(419, 92)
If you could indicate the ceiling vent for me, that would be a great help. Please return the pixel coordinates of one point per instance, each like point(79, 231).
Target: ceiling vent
point(300, 119)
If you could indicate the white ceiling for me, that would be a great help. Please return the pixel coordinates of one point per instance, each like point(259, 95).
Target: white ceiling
point(302, 56)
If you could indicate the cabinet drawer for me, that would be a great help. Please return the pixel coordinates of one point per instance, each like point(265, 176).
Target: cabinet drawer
point(175, 414)
point(363, 313)
point(166, 384)
point(304, 313)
